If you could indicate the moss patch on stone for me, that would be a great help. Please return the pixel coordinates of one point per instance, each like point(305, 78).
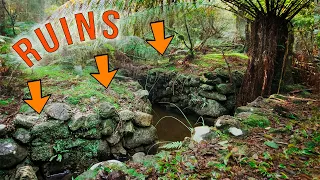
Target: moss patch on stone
point(255, 120)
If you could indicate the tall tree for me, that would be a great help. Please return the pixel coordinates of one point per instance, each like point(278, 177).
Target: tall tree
point(2, 18)
point(270, 43)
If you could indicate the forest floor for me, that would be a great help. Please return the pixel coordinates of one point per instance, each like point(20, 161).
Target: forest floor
point(288, 148)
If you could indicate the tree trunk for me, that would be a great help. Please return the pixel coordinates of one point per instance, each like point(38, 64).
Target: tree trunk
point(2, 19)
point(267, 49)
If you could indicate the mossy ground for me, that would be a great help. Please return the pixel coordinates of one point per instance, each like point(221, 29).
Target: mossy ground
point(81, 90)
point(201, 63)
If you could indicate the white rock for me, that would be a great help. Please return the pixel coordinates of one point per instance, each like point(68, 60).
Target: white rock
point(107, 163)
point(199, 132)
point(235, 131)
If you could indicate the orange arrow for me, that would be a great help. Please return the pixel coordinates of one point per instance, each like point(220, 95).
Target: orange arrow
point(160, 42)
point(104, 76)
point(37, 102)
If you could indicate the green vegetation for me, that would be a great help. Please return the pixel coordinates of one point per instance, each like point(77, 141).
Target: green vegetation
point(78, 90)
point(255, 120)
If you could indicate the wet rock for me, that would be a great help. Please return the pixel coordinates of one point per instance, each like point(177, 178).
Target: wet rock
point(227, 120)
point(142, 94)
point(126, 115)
point(213, 95)
point(199, 132)
point(142, 136)
point(225, 88)
point(108, 127)
point(3, 130)
point(142, 119)
point(25, 173)
point(114, 138)
point(235, 131)
point(206, 87)
point(59, 111)
point(25, 121)
point(107, 110)
point(42, 153)
point(118, 151)
point(138, 157)
point(50, 130)
point(11, 153)
point(209, 108)
point(22, 135)
point(83, 121)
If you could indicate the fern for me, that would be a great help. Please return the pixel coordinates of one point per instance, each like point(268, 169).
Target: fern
point(172, 145)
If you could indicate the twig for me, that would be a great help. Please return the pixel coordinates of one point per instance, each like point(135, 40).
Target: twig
point(229, 68)
point(11, 76)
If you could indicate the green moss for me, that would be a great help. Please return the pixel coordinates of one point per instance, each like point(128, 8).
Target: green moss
point(79, 89)
point(91, 148)
point(24, 108)
point(255, 120)
point(5, 102)
point(50, 130)
point(42, 153)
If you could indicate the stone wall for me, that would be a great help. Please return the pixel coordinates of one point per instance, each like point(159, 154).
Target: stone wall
point(63, 138)
point(209, 95)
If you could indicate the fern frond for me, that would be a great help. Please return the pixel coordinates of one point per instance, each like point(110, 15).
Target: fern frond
point(172, 145)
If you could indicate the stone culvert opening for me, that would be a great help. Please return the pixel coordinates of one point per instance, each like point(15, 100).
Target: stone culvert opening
point(208, 95)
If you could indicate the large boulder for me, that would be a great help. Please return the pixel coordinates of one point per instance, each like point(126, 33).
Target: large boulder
point(107, 110)
point(142, 119)
point(11, 153)
point(142, 136)
point(59, 111)
point(209, 108)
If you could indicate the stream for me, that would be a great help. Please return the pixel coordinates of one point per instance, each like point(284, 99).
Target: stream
point(169, 129)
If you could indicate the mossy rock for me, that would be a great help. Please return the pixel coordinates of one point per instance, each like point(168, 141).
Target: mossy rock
point(42, 153)
point(108, 127)
point(50, 130)
point(93, 133)
point(255, 120)
point(81, 121)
